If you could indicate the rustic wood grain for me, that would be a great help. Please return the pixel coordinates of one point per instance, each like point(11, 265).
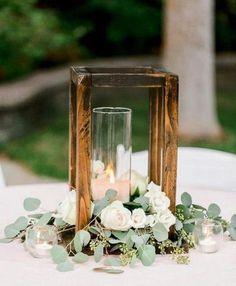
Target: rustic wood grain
point(170, 139)
point(83, 152)
point(155, 134)
point(72, 135)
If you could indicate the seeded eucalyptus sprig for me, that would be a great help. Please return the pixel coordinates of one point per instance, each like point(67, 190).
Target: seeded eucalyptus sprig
point(188, 213)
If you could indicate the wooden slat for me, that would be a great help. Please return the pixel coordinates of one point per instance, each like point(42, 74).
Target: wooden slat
point(83, 152)
point(72, 135)
point(169, 168)
point(155, 134)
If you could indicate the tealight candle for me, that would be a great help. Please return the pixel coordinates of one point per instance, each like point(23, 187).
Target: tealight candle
point(40, 239)
point(208, 235)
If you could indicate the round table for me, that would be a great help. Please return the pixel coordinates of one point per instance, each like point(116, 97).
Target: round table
point(218, 269)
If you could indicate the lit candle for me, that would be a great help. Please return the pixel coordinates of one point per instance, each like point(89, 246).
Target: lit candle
point(208, 245)
point(101, 184)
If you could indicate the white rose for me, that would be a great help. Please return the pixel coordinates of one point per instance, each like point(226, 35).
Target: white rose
point(67, 208)
point(98, 167)
point(116, 217)
point(138, 218)
point(138, 181)
point(165, 217)
point(158, 199)
point(150, 220)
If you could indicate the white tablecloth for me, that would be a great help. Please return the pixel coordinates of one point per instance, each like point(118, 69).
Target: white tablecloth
point(218, 269)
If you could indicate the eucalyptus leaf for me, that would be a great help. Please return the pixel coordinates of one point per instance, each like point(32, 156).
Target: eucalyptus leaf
point(58, 254)
point(232, 232)
point(65, 266)
point(147, 254)
point(81, 257)
point(114, 271)
point(31, 204)
point(6, 240)
point(233, 221)
point(21, 223)
point(111, 195)
point(98, 253)
point(121, 235)
point(199, 207)
point(77, 243)
point(115, 247)
point(188, 227)
point(185, 210)
point(10, 231)
point(213, 211)
point(111, 261)
point(129, 242)
point(114, 241)
point(143, 201)
point(186, 199)
point(160, 232)
point(59, 221)
point(84, 237)
point(94, 229)
point(132, 205)
point(133, 261)
point(44, 219)
point(100, 205)
point(198, 214)
point(145, 237)
point(178, 225)
point(107, 233)
point(137, 240)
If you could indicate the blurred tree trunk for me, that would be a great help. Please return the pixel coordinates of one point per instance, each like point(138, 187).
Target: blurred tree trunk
point(189, 52)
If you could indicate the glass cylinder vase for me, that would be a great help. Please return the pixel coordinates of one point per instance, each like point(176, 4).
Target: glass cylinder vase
point(111, 152)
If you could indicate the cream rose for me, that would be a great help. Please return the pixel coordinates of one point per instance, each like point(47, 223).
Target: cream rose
point(138, 181)
point(150, 220)
point(138, 218)
point(67, 208)
point(158, 199)
point(165, 217)
point(116, 217)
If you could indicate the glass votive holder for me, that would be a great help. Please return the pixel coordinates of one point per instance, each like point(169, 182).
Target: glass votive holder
point(40, 239)
point(208, 235)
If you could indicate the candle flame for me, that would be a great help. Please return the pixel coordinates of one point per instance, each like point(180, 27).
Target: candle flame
point(110, 173)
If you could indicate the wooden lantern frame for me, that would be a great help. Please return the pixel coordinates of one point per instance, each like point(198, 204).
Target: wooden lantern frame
point(163, 109)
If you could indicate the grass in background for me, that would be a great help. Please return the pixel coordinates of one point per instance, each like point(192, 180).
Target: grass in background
point(45, 150)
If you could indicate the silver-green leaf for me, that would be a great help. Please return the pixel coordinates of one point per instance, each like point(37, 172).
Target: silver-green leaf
point(147, 255)
point(233, 221)
point(160, 232)
point(80, 257)
point(213, 211)
point(77, 243)
point(178, 225)
point(21, 223)
point(10, 231)
point(84, 237)
point(98, 253)
point(6, 240)
point(31, 204)
point(45, 219)
point(186, 199)
point(58, 254)
point(65, 266)
point(111, 261)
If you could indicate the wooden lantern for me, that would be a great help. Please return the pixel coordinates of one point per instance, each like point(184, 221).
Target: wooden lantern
point(163, 101)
